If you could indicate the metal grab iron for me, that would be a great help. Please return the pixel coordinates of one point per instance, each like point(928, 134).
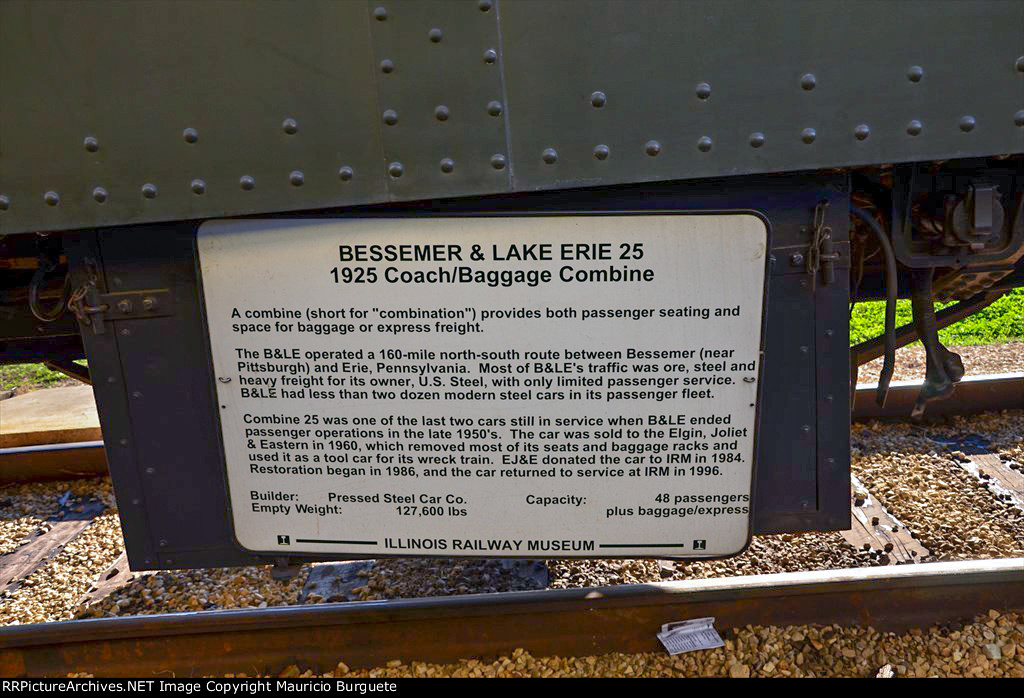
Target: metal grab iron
point(944, 368)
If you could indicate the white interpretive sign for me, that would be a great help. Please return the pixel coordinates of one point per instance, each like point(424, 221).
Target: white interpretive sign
point(545, 386)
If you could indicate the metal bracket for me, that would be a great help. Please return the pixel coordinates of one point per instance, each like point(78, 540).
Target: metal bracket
point(93, 308)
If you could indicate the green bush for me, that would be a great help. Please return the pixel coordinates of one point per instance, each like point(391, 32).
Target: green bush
point(1003, 321)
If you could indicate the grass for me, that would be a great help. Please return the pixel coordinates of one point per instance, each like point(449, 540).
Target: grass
point(1003, 321)
point(22, 378)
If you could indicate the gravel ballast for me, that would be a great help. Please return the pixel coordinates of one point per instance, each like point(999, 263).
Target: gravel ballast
point(989, 646)
point(915, 477)
point(980, 359)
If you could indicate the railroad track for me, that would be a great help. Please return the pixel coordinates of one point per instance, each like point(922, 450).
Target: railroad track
point(563, 622)
point(573, 622)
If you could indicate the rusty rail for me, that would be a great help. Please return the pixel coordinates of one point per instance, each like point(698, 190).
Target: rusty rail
point(973, 394)
point(571, 622)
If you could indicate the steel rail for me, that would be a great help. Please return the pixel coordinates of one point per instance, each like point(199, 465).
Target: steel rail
point(567, 622)
point(972, 395)
point(52, 462)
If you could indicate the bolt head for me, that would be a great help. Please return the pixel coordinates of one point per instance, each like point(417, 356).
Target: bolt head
point(703, 90)
point(704, 144)
point(652, 148)
point(149, 190)
point(441, 112)
point(598, 99)
point(861, 132)
point(915, 127)
point(91, 144)
point(198, 186)
point(296, 178)
point(498, 161)
point(808, 81)
point(447, 165)
point(190, 135)
point(490, 55)
point(396, 170)
point(915, 73)
point(247, 182)
point(550, 156)
point(290, 126)
point(99, 194)
point(756, 139)
point(808, 135)
point(51, 198)
point(967, 123)
point(124, 305)
point(346, 173)
point(601, 152)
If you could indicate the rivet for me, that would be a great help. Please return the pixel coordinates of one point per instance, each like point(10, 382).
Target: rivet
point(296, 178)
point(111, 379)
point(124, 305)
point(808, 135)
point(5, 202)
point(756, 139)
point(91, 144)
point(915, 73)
point(703, 90)
point(490, 55)
point(290, 126)
point(829, 333)
point(1018, 118)
point(601, 152)
point(51, 198)
point(163, 543)
point(704, 144)
point(862, 131)
point(652, 148)
point(190, 135)
point(198, 186)
point(99, 194)
point(914, 127)
point(124, 442)
point(484, 5)
point(1020, 64)
point(967, 123)
point(135, 501)
point(247, 183)
point(807, 81)
point(126, 332)
point(149, 190)
point(804, 349)
point(805, 428)
point(498, 161)
point(390, 117)
point(380, 14)
point(345, 173)
point(598, 99)
point(387, 66)
point(435, 35)
point(447, 165)
point(441, 113)
point(136, 394)
point(494, 108)
point(396, 170)
point(550, 156)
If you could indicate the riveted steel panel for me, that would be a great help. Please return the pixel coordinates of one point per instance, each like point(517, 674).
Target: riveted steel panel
point(440, 99)
point(128, 112)
point(801, 81)
point(264, 90)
